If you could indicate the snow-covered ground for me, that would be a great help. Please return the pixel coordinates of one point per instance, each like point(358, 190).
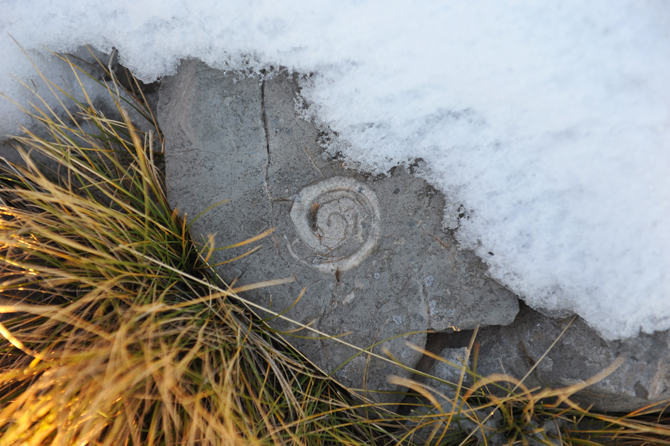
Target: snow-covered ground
point(547, 121)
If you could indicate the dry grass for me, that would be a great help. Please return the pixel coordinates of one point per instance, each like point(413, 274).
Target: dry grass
point(115, 330)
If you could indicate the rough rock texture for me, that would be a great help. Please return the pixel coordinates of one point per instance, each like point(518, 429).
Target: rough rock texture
point(642, 379)
point(369, 251)
point(479, 423)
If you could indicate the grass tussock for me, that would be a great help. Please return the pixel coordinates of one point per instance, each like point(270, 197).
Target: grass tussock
point(114, 329)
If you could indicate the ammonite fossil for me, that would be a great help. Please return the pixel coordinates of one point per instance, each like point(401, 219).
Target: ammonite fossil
point(338, 224)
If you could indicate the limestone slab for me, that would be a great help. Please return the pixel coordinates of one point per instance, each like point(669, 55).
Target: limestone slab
point(369, 251)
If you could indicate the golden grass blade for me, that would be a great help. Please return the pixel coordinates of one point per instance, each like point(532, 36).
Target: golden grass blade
point(251, 251)
point(264, 284)
point(249, 240)
point(15, 342)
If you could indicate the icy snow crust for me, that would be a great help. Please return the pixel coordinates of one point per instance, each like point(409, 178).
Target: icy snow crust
point(547, 121)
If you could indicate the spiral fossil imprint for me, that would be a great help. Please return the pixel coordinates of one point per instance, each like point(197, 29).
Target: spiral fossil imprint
point(338, 223)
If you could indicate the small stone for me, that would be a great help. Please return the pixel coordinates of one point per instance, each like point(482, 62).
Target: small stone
point(397, 320)
point(429, 280)
point(362, 283)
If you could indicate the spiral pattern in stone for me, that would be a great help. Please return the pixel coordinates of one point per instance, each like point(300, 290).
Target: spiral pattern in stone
point(338, 222)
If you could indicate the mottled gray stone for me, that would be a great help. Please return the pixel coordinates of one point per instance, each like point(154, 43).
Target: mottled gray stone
point(369, 250)
point(642, 379)
point(480, 423)
point(9, 153)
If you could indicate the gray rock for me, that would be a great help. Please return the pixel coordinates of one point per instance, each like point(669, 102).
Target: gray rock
point(479, 423)
point(369, 250)
point(642, 379)
point(486, 422)
point(9, 153)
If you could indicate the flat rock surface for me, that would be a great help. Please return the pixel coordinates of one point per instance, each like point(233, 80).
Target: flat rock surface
point(369, 250)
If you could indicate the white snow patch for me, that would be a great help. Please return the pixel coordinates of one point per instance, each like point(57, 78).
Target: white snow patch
point(548, 121)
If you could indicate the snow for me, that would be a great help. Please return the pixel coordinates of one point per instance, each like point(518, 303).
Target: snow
point(546, 124)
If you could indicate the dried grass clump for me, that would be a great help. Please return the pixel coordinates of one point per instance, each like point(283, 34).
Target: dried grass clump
point(114, 330)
